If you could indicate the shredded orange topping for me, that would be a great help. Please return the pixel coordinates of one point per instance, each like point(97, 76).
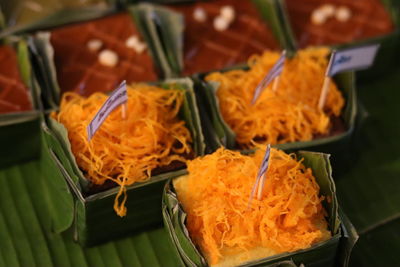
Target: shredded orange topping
point(216, 193)
point(288, 114)
point(125, 151)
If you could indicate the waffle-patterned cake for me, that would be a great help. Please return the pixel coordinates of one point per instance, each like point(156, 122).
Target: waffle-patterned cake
point(79, 68)
point(368, 19)
point(14, 95)
point(206, 48)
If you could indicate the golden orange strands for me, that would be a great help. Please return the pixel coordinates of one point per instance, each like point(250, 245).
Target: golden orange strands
point(125, 151)
point(290, 113)
point(215, 195)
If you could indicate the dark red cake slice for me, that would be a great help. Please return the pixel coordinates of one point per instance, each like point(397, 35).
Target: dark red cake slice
point(368, 19)
point(206, 48)
point(79, 68)
point(14, 95)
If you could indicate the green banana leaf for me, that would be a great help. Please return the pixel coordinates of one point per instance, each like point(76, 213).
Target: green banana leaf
point(384, 61)
point(163, 30)
point(54, 17)
point(373, 171)
point(224, 136)
point(94, 220)
point(23, 127)
point(43, 61)
point(271, 11)
point(336, 250)
point(28, 201)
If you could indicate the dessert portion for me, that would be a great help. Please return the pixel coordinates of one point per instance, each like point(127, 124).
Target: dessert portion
point(98, 55)
point(287, 113)
point(14, 95)
point(333, 22)
point(127, 150)
point(229, 228)
point(222, 33)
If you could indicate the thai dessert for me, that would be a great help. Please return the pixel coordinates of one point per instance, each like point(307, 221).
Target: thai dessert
point(229, 228)
point(287, 113)
point(150, 139)
point(14, 94)
point(222, 33)
point(98, 55)
point(333, 22)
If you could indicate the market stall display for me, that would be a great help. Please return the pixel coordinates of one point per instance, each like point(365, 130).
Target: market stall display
point(196, 114)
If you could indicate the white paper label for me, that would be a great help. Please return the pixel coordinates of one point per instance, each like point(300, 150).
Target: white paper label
point(352, 59)
point(118, 97)
point(272, 74)
point(260, 176)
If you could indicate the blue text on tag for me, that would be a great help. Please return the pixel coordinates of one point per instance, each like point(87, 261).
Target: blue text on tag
point(352, 59)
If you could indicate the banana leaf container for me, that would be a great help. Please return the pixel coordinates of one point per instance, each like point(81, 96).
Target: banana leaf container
point(26, 16)
point(333, 252)
point(170, 27)
point(219, 133)
point(386, 57)
point(91, 217)
point(142, 15)
point(20, 131)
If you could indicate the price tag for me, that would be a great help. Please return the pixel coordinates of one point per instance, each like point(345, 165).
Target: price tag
point(261, 176)
point(352, 59)
point(274, 73)
point(118, 97)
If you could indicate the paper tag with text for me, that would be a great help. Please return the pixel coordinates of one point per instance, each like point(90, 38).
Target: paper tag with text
point(118, 96)
point(259, 183)
point(272, 74)
point(352, 59)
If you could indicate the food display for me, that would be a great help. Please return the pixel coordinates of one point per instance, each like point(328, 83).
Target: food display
point(14, 94)
point(149, 140)
point(197, 114)
point(286, 114)
point(333, 22)
point(98, 55)
point(221, 33)
point(230, 228)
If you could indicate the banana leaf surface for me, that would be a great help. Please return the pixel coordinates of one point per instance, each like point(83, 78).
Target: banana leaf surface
point(92, 214)
point(325, 253)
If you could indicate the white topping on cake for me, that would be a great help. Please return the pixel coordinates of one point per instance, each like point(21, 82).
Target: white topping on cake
point(328, 10)
point(228, 13)
point(94, 45)
point(132, 41)
point(343, 14)
point(318, 17)
point(108, 58)
point(199, 14)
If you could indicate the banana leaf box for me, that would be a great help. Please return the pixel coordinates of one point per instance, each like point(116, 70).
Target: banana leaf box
point(219, 133)
point(364, 22)
point(90, 215)
point(332, 252)
point(65, 60)
point(20, 108)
